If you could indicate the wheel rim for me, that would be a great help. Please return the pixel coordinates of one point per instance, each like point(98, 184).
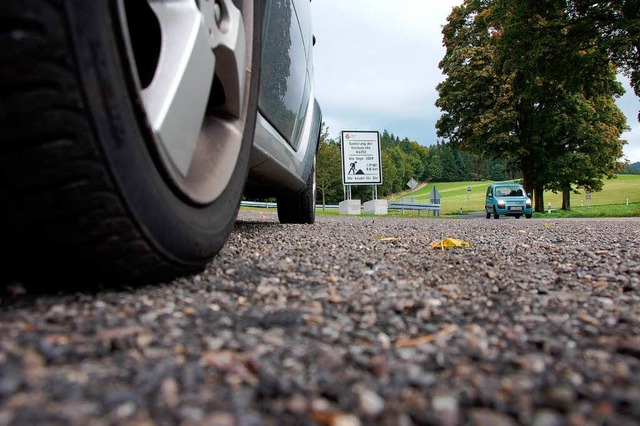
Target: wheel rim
point(192, 79)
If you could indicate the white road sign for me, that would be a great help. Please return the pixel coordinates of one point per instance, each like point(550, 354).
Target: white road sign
point(361, 163)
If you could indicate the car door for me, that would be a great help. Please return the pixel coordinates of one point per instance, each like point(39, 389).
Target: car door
point(285, 82)
point(488, 204)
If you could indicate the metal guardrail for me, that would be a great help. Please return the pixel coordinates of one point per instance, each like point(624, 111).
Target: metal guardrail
point(434, 208)
point(267, 205)
point(419, 207)
point(258, 204)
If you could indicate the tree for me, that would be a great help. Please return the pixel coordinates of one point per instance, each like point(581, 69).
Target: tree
point(498, 171)
point(518, 71)
point(390, 178)
point(328, 168)
point(617, 24)
point(591, 147)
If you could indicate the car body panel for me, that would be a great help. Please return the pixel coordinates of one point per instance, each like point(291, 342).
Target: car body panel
point(285, 80)
point(275, 166)
point(289, 117)
point(507, 199)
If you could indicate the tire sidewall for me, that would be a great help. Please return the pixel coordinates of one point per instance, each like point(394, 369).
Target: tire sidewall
point(184, 232)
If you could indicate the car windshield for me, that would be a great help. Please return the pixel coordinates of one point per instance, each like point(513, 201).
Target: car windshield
point(509, 191)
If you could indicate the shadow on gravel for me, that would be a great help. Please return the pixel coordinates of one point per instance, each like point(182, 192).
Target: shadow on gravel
point(24, 283)
point(25, 291)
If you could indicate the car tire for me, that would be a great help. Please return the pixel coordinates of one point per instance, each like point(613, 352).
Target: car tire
point(517, 216)
point(92, 187)
point(495, 214)
point(528, 216)
point(299, 207)
point(488, 215)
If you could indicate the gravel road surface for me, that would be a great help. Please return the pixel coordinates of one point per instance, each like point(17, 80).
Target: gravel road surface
point(351, 321)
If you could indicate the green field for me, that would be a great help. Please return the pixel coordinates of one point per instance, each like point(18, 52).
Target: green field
point(455, 198)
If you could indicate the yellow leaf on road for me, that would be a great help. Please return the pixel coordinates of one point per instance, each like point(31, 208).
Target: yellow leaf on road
point(449, 243)
point(381, 238)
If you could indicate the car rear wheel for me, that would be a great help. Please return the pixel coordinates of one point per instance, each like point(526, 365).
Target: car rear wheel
point(488, 215)
point(528, 216)
point(299, 207)
point(129, 126)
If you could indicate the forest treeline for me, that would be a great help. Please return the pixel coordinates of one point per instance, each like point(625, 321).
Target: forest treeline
point(403, 160)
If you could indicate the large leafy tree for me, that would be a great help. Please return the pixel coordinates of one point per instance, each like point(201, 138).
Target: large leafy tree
point(328, 168)
point(520, 75)
point(617, 24)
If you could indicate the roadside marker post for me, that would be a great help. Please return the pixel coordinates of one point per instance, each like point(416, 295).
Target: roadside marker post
point(412, 184)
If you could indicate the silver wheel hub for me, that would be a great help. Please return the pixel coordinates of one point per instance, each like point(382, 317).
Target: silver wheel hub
point(200, 42)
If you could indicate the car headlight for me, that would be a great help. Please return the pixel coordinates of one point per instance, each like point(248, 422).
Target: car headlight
point(528, 202)
point(501, 204)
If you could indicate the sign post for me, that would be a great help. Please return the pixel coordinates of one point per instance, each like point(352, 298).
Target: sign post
point(361, 165)
point(412, 184)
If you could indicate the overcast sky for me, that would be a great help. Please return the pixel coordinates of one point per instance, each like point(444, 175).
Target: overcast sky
point(376, 68)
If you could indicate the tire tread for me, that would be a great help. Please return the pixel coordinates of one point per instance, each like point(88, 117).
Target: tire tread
point(59, 204)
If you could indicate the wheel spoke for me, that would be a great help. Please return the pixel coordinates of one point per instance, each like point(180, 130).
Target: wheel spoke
point(176, 99)
point(227, 39)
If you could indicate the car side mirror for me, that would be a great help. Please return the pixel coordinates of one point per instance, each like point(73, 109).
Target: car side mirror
point(529, 194)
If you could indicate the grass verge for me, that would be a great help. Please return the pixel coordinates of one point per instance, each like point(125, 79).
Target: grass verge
point(601, 210)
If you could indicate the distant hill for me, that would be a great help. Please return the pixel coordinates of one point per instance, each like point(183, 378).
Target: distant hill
point(632, 169)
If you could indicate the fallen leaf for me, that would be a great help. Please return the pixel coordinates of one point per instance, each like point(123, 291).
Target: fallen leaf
point(449, 243)
point(381, 238)
point(445, 332)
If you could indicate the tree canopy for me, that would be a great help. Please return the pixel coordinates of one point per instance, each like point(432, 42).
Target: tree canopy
point(534, 81)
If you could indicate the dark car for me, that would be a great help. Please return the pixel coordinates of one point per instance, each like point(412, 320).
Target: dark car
point(132, 129)
point(507, 199)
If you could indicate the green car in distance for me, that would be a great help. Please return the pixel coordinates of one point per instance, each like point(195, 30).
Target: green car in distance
point(507, 199)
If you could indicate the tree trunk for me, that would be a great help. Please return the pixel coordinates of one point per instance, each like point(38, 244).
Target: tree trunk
point(527, 181)
point(538, 196)
point(566, 198)
point(531, 187)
